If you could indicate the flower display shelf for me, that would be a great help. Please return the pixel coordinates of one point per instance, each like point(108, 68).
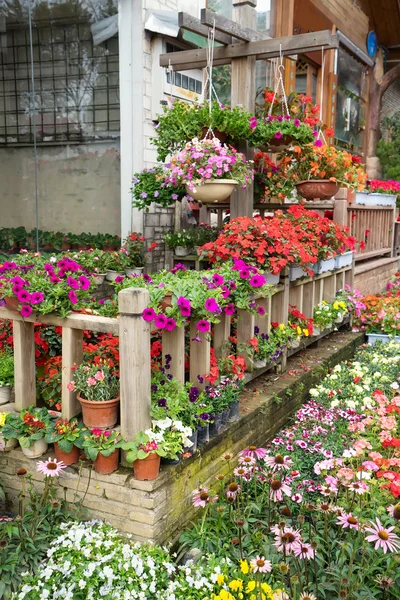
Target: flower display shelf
point(381, 337)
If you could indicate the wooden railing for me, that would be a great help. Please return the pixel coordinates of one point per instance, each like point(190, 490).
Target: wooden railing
point(373, 225)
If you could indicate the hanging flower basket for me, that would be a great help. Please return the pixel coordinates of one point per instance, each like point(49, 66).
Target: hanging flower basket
point(213, 192)
point(279, 144)
point(321, 189)
point(220, 135)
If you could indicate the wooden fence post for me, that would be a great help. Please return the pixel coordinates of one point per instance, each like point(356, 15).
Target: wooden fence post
point(199, 356)
point(135, 366)
point(72, 353)
point(24, 364)
point(173, 343)
point(222, 331)
point(245, 331)
point(340, 208)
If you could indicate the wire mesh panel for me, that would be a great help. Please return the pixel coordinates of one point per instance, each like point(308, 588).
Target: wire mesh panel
point(76, 86)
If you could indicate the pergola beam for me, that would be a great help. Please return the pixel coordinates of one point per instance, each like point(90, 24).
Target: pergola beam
point(189, 23)
point(222, 24)
point(262, 49)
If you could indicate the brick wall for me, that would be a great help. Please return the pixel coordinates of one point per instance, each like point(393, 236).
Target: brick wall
point(372, 277)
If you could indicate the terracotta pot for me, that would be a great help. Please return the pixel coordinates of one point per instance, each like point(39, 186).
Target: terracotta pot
point(167, 301)
point(317, 188)
point(108, 248)
point(65, 246)
point(213, 192)
point(280, 144)
point(99, 415)
point(11, 303)
point(68, 458)
point(147, 469)
point(107, 464)
point(221, 135)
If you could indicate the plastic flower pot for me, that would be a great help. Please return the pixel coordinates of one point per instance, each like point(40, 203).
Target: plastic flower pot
point(296, 272)
point(294, 344)
point(38, 448)
point(171, 461)
point(343, 260)
point(321, 189)
point(212, 192)
point(224, 418)
point(99, 415)
point(11, 303)
point(5, 394)
point(339, 319)
point(259, 364)
point(377, 199)
point(216, 427)
point(193, 439)
point(316, 331)
point(381, 337)
point(147, 469)
point(7, 445)
point(234, 411)
point(68, 458)
point(361, 198)
point(272, 279)
point(99, 278)
point(134, 271)
point(203, 434)
point(112, 275)
point(323, 266)
point(106, 464)
point(182, 251)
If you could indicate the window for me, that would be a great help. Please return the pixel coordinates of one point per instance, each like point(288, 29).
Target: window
point(306, 79)
point(183, 81)
point(349, 99)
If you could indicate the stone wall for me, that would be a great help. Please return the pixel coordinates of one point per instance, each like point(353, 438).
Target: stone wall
point(159, 510)
point(371, 277)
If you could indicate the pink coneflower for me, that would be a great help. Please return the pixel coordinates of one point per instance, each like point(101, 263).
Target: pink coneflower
point(201, 497)
point(286, 538)
point(359, 487)
point(348, 520)
point(278, 488)
point(394, 511)
point(303, 550)
point(384, 582)
point(260, 565)
point(242, 473)
point(247, 461)
point(254, 452)
point(51, 467)
point(232, 490)
point(278, 462)
point(383, 537)
point(297, 498)
point(307, 596)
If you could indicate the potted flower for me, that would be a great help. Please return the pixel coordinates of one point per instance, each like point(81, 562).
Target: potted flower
point(145, 454)
point(6, 444)
point(67, 437)
point(180, 241)
point(6, 376)
point(133, 248)
point(379, 193)
point(29, 427)
point(96, 261)
point(175, 437)
point(150, 186)
point(103, 448)
point(114, 265)
point(97, 387)
point(209, 170)
point(324, 316)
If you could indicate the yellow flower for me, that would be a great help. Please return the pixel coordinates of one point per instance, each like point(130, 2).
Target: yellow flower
point(250, 586)
point(323, 302)
point(342, 304)
point(236, 584)
point(305, 331)
point(281, 327)
point(244, 567)
point(225, 595)
point(2, 419)
point(266, 588)
point(298, 330)
point(220, 579)
point(336, 305)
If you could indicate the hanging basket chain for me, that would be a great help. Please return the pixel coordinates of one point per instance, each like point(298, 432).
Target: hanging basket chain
point(320, 132)
point(209, 81)
point(279, 86)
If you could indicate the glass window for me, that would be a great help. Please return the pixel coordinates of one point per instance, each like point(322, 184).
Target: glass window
point(350, 73)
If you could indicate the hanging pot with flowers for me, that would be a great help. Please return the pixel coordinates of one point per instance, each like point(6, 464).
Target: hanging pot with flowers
point(97, 387)
point(29, 427)
point(67, 437)
point(209, 170)
point(103, 448)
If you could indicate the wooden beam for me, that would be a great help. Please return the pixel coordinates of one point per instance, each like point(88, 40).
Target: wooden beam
point(288, 45)
point(222, 24)
point(189, 23)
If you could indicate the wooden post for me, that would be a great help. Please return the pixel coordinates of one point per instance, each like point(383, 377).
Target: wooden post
point(72, 353)
point(24, 364)
point(199, 356)
point(243, 76)
point(173, 343)
point(135, 366)
point(222, 331)
point(329, 285)
point(262, 322)
point(309, 299)
point(245, 331)
point(340, 208)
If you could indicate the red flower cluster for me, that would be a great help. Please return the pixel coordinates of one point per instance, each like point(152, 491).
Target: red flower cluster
point(377, 186)
point(33, 422)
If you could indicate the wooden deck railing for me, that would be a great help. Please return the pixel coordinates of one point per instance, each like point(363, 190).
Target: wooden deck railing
point(373, 225)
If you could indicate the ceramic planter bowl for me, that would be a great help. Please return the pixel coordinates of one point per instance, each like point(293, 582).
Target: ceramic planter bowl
point(99, 415)
point(317, 188)
point(112, 275)
point(213, 192)
point(105, 465)
point(99, 278)
point(5, 394)
point(182, 251)
point(147, 469)
point(134, 271)
point(38, 448)
point(68, 458)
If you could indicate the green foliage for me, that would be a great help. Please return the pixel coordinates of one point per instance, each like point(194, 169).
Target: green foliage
point(149, 186)
point(389, 152)
point(6, 369)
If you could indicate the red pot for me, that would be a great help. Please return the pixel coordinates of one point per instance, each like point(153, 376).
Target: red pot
point(11, 303)
point(108, 248)
point(167, 301)
point(99, 415)
point(68, 458)
point(147, 469)
point(107, 464)
point(65, 246)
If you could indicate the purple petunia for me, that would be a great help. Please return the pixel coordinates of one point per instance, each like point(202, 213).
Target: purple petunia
point(24, 296)
point(37, 298)
point(170, 325)
point(160, 321)
point(148, 314)
point(203, 326)
point(260, 311)
point(84, 282)
point(72, 283)
point(73, 298)
point(119, 279)
point(212, 305)
point(218, 279)
point(230, 309)
point(257, 281)
point(26, 310)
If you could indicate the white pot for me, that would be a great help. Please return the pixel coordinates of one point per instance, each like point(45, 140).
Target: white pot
point(295, 344)
point(211, 192)
point(5, 394)
point(324, 266)
point(272, 279)
point(343, 260)
point(383, 199)
point(296, 272)
point(328, 326)
point(316, 331)
point(134, 271)
point(98, 278)
point(381, 337)
point(182, 251)
point(361, 198)
point(339, 319)
point(7, 445)
point(259, 364)
point(37, 449)
point(112, 275)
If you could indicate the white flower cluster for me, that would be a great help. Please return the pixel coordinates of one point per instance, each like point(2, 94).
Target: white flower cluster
point(91, 560)
point(160, 428)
